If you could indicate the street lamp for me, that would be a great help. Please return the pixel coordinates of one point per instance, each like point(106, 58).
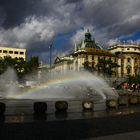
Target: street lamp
point(50, 55)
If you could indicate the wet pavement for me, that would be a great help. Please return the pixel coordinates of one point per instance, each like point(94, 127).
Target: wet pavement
point(71, 129)
point(21, 111)
point(19, 122)
point(121, 136)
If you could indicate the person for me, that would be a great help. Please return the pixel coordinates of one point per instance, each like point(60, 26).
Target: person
point(138, 87)
point(134, 87)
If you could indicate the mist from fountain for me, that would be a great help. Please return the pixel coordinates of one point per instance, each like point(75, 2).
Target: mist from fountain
point(8, 83)
point(69, 86)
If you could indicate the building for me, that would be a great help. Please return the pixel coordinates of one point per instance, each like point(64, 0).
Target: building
point(128, 58)
point(126, 55)
point(13, 52)
point(86, 51)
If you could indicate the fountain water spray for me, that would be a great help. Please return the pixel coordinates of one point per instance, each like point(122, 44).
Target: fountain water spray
point(8, 82)
point(69, 86)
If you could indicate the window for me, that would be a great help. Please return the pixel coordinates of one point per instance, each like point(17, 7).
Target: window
point(11, 52)
point(0, 51)
point(135, 59)
point(128, 59)
point(16, 52)
point(4, 51)
point(86, 57)
point(128, 49)
point(21, 52)
point(135, 71)
point(92, 57)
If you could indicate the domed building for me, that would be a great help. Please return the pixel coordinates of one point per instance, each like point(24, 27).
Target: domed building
point(86, 51)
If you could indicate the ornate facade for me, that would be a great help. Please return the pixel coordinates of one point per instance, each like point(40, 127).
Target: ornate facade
point(86, 51)
point(128, 58)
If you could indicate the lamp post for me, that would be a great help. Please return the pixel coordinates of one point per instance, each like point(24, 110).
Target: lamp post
point(50, 55)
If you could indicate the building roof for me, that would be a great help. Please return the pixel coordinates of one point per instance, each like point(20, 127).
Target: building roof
point(88, 42)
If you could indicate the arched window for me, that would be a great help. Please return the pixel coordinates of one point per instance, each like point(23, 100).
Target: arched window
point(92, 57)
point(128, 59)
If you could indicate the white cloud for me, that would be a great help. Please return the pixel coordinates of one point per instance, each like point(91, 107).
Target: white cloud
point(113, 41)
point(107, 20)
point(33, 30)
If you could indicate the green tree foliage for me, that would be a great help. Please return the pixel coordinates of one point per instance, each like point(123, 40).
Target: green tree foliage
point(21, 67)
point(88, 67)
point(33, 64)
point(106, 66)
point(133, 79)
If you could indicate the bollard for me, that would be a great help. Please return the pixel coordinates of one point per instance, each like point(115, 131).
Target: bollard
point(133, 99)
point(40, 107)
point(2, 108)
point(123, 100)
point(112, 103)
point(61, 106)
point(87, 105)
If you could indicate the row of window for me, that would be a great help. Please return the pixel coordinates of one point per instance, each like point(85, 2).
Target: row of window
point(11, 52)
point(115, 60)
point(131, 49)
point(129, 59)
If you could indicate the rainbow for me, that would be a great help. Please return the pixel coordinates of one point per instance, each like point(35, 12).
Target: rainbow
point(45, 84)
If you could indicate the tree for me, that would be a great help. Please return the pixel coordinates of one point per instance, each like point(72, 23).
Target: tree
point(88, 67)
point(106, 66)
point(19, 64)
point(133, 79)
point(33, 64)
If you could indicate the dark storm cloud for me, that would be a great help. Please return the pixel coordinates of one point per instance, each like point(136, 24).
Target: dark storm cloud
point(17, 10)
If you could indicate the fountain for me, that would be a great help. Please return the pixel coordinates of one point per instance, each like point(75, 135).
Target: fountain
point(70, 86)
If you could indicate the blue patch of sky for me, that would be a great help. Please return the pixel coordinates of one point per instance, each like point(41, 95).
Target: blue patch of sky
point(133, 37)
point(62, 40)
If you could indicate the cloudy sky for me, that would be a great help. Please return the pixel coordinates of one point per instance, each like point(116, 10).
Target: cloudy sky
point(34, 24)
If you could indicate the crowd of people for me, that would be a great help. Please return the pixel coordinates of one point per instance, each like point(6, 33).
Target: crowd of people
point(134, 87)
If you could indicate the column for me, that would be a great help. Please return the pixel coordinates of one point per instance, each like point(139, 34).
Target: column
point(119, 68)
point(133, 71)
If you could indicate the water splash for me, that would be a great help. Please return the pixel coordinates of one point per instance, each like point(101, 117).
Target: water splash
point(8, 83)
point(71, 85)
